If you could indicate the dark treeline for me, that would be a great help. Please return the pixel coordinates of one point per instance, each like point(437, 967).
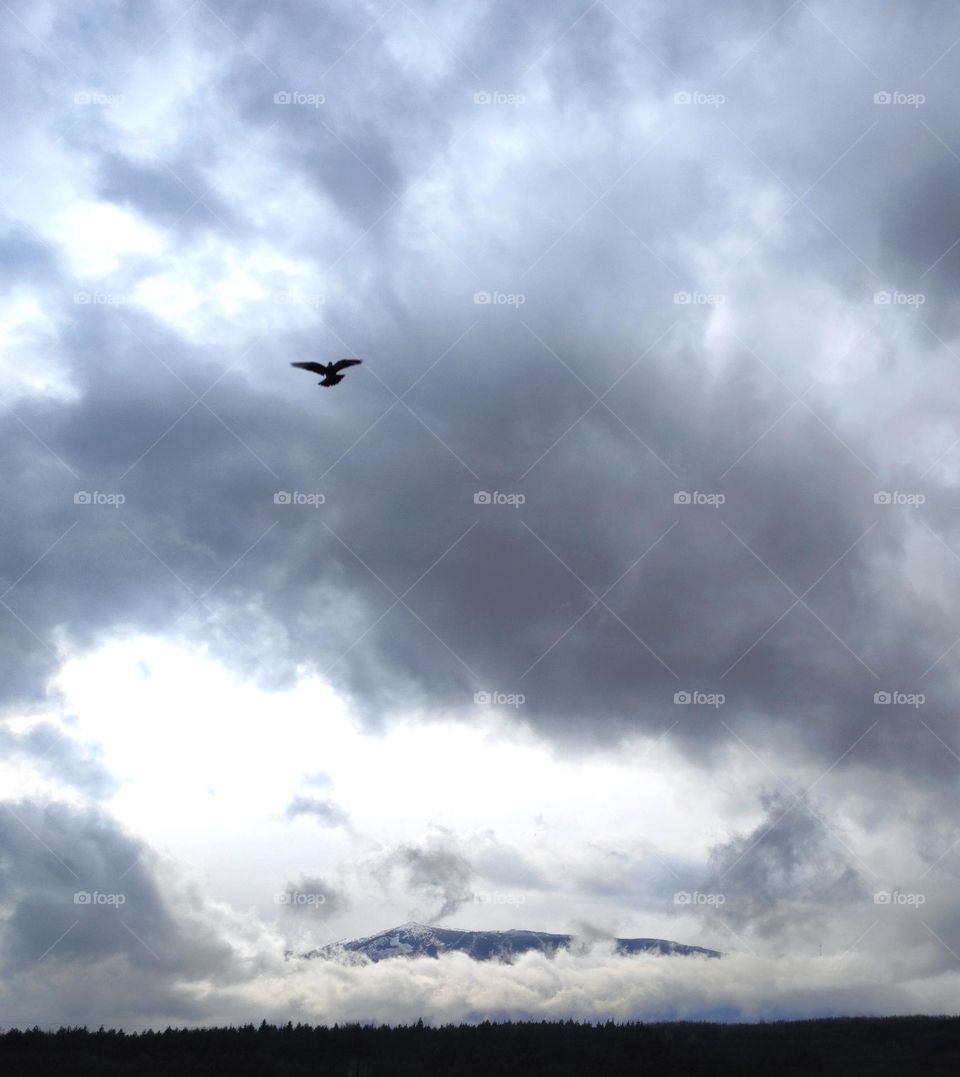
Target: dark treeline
point(849, 1046)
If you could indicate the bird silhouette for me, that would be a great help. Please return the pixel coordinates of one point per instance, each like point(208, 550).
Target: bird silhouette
point(330, 371)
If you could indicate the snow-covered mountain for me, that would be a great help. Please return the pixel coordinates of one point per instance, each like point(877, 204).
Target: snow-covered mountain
point(421, 940)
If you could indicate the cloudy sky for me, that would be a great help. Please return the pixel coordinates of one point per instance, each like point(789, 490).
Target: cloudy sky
point(614, 593)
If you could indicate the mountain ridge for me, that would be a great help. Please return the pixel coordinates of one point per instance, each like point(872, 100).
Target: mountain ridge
point(413, 939)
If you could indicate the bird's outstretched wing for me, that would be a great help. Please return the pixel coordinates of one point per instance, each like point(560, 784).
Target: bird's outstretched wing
point(342, 364)
point(317, 368)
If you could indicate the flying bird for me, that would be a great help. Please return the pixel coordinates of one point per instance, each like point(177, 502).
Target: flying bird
point(330, 371)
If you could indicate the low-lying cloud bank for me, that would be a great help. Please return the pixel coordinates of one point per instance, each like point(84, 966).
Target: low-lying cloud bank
point(593, 987)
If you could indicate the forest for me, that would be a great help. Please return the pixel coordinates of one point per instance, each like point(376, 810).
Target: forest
point(832, 1046)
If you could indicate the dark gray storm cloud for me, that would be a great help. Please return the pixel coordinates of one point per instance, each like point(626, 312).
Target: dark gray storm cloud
point(517, 599)
point(86, 917)
point(434, 869)
point(314, 896)
point(60, 757)
point(165, 195)
point(518, 219)
point(791, 868)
